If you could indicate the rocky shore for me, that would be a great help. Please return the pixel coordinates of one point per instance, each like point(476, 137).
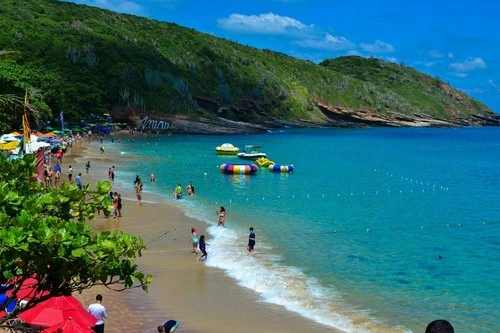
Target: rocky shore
point(335, 117)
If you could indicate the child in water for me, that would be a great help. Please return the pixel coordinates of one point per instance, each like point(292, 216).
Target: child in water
point(194, 240)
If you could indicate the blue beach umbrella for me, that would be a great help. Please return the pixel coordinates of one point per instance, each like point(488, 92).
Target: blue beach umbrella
point(11, 305)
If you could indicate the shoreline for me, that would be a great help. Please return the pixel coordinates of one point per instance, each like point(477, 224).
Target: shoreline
point(201, 298)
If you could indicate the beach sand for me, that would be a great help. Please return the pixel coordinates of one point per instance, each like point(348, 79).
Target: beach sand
point(201, 298)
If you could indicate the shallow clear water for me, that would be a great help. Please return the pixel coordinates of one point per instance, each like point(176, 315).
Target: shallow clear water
point(352, 238)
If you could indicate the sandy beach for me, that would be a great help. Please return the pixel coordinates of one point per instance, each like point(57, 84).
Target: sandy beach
point(201, 298)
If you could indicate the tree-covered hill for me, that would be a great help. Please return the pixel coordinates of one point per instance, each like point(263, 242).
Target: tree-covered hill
point(84, 60)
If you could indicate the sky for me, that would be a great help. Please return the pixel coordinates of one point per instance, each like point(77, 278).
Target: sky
point(457, 41)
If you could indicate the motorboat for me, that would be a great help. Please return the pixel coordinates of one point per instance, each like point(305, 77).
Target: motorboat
point(227, 149)
point(251, 153)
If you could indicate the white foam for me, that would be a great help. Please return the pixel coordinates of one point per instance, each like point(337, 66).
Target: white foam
point(262, 272)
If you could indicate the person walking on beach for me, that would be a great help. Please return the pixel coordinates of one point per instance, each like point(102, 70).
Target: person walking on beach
point(99, 311)
point(78, 180)
point(251, 240)
point(115, 204)
point(87, 167)
point(153, 177)
point(194, 240)
point(202, 245)
point(221, 212)
point(138, 189)
point(119, 205)
point(109, 173)
point(190, 189)
point(169, 327)
point(57, 175)
point(113, 173)
point(103, 149)
point(70, 173)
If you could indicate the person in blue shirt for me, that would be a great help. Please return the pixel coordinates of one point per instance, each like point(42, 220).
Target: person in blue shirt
point(78, 180)
point(169, 327)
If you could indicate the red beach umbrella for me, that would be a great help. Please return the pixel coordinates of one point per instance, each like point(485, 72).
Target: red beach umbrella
point(27, 291)
point(68, 326)
point(56, 310)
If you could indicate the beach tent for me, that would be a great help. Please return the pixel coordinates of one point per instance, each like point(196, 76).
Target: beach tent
point(11, 137)
point(49, 135)
point(33, 146)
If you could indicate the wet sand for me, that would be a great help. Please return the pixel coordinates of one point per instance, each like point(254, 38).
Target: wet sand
point(201, 298)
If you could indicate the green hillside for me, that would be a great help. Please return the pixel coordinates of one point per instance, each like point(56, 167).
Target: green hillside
point(84, 60)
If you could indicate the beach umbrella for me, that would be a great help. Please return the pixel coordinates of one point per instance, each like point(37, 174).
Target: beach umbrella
point(55, 310)
point(57, 132)
point(49, 128)
point(28, 290)
point(68, 326)
point(10, 302)
point(10, 137)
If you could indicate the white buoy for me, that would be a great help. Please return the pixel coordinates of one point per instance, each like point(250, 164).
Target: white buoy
point(367, 230)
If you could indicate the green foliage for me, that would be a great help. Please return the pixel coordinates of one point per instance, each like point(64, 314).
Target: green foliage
point(83, 57)
point(46, 233)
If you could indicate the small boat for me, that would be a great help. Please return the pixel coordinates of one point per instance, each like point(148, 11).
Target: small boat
point(281, 168)
point(227, 149)
point(251, 153)
point(231, 168)
point(264, 162)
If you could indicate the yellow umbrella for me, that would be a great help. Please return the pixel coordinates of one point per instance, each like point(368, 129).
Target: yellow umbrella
point(9, 145)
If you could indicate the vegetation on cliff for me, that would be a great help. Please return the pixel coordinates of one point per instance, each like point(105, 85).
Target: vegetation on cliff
point(84, 60)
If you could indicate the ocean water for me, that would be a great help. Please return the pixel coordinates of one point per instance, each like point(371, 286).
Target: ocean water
point(376, 230)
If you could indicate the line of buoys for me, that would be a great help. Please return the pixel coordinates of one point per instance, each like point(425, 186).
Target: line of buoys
point(414, 181)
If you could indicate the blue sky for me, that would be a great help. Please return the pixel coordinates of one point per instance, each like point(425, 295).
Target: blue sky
point(457, 41)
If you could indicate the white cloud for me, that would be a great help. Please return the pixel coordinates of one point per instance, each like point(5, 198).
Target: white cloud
point(458, 74)
point(477, 90)
point(392, 59)
point(120, 6)
point(468, 65)
point(494, 85)
point(435, 54)
point(269, 23)
point(430, 63)
point(355, 53)
point(451, 55)
point(377, 47)
point(330, 42)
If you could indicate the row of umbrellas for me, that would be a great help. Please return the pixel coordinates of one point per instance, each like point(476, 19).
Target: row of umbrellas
point(61, 314)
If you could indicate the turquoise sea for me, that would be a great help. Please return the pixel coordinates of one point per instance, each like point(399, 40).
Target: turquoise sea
point(381, 229)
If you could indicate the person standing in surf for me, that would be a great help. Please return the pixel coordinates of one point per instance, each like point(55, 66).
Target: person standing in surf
point(202, 245)
point(251, 240)
point(221, 212)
